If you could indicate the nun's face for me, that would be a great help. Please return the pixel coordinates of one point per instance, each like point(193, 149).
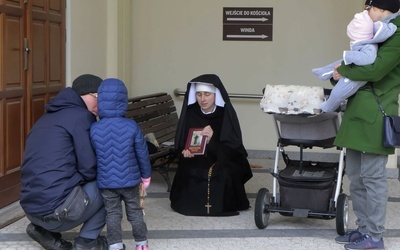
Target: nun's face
point(206, 100)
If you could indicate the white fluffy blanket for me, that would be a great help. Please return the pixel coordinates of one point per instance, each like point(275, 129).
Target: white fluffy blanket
point(292, 99)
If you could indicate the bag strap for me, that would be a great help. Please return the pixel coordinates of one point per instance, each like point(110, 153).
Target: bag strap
point(376, 98)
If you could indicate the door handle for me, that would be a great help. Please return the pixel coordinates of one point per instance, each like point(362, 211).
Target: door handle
point(26, 51)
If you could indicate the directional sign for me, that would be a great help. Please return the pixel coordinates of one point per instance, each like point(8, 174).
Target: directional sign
point(247, 24)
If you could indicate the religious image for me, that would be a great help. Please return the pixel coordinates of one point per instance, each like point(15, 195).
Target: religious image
point(196, 138)
point(196, 143)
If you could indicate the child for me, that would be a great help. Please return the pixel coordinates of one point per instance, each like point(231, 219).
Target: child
point(364, 37)
point(122, 162)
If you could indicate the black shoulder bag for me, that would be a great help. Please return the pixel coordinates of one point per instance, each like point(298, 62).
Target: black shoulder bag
point(74, 206)
point(391, 126)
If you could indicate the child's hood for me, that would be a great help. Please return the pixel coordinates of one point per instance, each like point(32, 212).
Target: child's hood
point(112, 98)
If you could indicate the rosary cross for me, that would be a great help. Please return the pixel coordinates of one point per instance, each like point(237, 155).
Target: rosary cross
point(208, 207)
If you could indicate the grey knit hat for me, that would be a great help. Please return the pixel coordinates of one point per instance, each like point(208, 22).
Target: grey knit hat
point(85, 84)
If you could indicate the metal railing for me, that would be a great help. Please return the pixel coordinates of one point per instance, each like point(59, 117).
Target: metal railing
point(179, 92)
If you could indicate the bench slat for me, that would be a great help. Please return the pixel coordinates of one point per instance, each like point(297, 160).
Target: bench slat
point(150, 112)
point(150, 96)
point(138, 103)
point(168, 137)
point(159, 123)
point(161, 132)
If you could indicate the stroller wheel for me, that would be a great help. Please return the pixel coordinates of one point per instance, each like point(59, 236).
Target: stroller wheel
point(342, 214)
point(261, 213)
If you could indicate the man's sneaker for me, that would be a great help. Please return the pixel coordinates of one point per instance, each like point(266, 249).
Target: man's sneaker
point(48, 240)
point(351, 237)
point(366, 243)
point(98, 244)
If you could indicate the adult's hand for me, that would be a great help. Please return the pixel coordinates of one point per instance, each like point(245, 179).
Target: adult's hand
point(207, 131)
point(187, 154)
point(336, 76)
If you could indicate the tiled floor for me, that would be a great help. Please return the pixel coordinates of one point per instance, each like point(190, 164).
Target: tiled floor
point(169, 230)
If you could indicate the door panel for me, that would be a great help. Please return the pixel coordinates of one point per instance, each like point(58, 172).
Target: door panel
point(38, 103)
point(12, 96)
point(47, 56)
point(32, 71)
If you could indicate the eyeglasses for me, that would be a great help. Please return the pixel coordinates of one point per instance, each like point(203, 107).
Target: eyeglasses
point(93, 94)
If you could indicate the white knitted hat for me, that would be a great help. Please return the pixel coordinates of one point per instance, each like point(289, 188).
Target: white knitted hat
point(361, 27)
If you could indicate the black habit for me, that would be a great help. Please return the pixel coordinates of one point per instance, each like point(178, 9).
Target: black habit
point(198, 190)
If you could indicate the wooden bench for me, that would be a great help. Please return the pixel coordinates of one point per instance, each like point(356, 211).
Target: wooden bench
point(156, 113)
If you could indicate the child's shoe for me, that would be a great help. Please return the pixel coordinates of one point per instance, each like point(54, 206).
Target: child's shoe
point(142, 247)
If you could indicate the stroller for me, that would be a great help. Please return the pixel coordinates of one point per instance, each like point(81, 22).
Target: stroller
point(307, 188)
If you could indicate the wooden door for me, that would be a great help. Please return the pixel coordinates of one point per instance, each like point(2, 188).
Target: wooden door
point(32, 70)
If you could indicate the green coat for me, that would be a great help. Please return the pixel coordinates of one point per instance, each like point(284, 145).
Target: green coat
point(362, 124)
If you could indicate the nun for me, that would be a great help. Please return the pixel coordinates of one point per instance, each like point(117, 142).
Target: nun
point(213, 183)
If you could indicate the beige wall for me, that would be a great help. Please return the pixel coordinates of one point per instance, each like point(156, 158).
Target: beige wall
point(86, 38)
point(99, 38)
point(158, 45)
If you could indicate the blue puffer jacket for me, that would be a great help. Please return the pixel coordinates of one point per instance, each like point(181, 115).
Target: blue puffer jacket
point(122, 154)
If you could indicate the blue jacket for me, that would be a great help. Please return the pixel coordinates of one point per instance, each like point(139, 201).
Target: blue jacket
point(122, 154)
point(58, 154)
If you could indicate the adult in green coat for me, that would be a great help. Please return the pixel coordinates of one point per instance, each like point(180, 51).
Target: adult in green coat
point(361, 132)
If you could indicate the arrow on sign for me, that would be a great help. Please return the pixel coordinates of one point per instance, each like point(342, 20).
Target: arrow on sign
point(263, 19)
point(247, 36)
